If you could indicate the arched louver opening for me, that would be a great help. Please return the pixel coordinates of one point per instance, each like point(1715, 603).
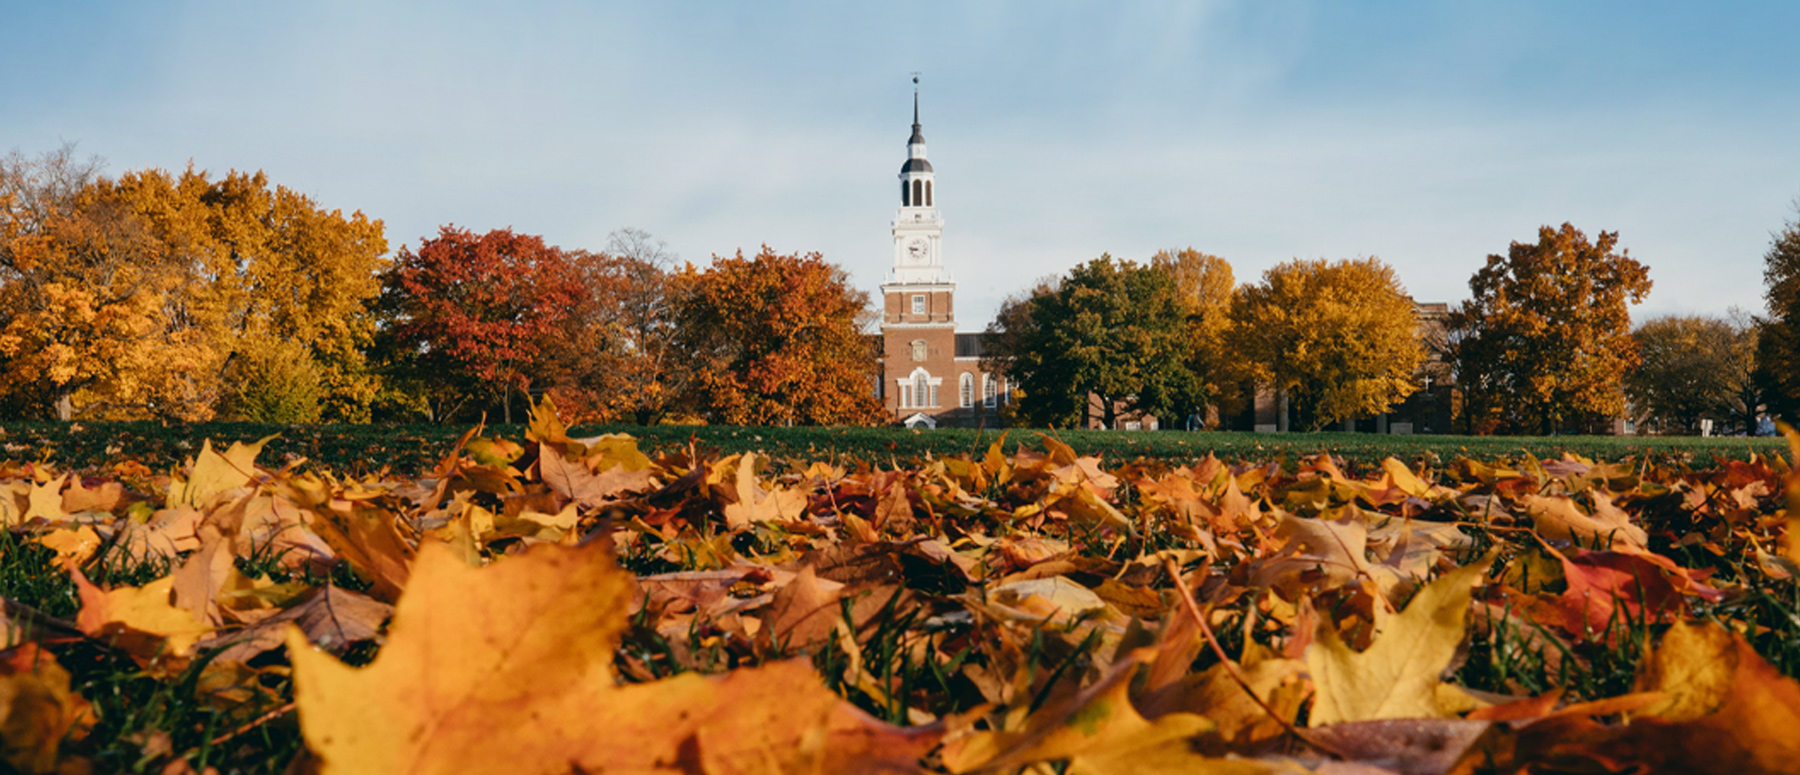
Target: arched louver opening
point(928, 193)
point(918, 195)
point(905, 200)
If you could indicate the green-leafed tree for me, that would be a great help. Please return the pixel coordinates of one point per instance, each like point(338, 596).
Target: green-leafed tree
point(1686, 373)
point(1340, 339)
point(1544, 343)
point(1108, 340)
point(1778, 342)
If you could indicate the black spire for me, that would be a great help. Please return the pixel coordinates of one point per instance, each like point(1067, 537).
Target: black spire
point(917, 135)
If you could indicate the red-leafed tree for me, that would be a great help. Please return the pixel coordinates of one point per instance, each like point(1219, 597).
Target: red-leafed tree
point(776, 340)
point(469, 316)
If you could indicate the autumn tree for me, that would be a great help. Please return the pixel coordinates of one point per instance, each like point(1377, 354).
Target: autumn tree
point(615, 357)
point(85, 300)
point(276, 271)
point(469, 316)
point(1778, 345)
point(1206, 287)
point(1692, 368)
point(775, 340)
point(1545, 341)
point(1338, 339)
point(139, 296)
point(1111, 337)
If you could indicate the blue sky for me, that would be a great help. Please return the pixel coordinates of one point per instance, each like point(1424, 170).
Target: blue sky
point(1429, 134)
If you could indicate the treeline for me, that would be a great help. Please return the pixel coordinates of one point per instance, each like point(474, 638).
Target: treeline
point(1541, 347)
point(184, 298)
point(1545, 344)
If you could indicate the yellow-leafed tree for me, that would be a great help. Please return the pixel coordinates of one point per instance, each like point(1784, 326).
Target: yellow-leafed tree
point(1340, 339)
point(1207, 286)
point(1545, 341)
point(141, 296)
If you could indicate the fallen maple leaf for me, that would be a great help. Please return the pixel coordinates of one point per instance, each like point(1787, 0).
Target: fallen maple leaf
point(1397, 676)
point(1609, 589)
point(754, 504)
point(575, 482)
point(37, 709)
point(1721, 709)
point(1558, 518)
point(331, 618)
point(1101, 733)
point(524, 648)
point(138, 620)
point(214, 473)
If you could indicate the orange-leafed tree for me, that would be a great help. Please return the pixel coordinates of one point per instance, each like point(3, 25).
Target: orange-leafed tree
point(1544, 343)
point(615, 358)
point(776, 340)
point(470, 315)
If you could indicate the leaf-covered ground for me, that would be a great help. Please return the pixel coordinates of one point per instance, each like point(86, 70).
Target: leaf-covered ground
point(582, 605)
point(408, 449)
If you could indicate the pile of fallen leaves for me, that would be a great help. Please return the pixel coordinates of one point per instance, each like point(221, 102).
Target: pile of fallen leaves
point(575, 605)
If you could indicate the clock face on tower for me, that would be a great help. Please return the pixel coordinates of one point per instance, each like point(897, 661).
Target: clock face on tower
point(917, 247)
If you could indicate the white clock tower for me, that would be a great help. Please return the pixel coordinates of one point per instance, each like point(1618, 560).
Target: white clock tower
point(918, 230)
point(927, 378)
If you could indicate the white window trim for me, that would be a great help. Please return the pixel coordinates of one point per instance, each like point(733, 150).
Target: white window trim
point(906, 384)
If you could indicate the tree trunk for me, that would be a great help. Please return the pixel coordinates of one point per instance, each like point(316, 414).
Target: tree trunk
point(506, 403)
point(65, 407)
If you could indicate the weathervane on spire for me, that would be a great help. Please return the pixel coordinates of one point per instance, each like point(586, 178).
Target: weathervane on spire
point(915, 77)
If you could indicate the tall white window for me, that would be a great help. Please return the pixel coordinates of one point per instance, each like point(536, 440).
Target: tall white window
point(988, 389)
point(921, 391)
point(919, 304)
point(967, 389)
point(933, 396)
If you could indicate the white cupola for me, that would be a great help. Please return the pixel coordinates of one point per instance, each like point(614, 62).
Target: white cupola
point(918, 229)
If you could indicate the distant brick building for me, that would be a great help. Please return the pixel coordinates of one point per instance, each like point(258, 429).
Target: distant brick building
point(930, 374)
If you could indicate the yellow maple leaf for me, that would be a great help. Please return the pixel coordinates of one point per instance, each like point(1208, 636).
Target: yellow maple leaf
point(46, 500)
point(1397, 676)
point(754, 504)
point(214, 473)
point(139, 620)
point(508, 669)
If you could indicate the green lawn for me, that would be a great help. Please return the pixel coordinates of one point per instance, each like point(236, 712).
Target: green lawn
point(409, 449)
